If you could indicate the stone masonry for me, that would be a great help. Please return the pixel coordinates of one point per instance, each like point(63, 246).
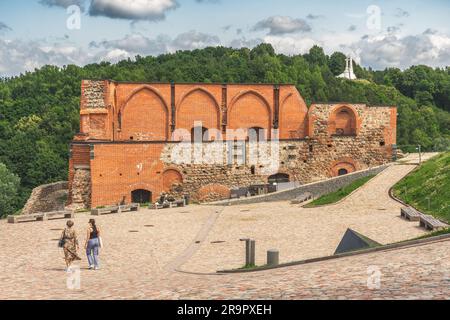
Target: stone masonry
point(46, 198)
point(132, 135)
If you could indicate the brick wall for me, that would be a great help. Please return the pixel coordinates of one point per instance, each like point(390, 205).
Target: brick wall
point(131, 134)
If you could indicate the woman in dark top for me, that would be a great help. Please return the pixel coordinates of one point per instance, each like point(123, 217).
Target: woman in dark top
point(92, 245)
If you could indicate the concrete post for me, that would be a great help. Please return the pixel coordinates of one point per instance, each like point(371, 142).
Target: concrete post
point(252, 260)
point(273, 257)
point(247, 252)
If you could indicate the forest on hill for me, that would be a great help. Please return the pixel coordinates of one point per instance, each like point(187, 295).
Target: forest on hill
point(39, 110)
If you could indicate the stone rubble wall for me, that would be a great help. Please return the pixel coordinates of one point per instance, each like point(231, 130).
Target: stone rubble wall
point(47, 198)
point(317, 189)
point(81, 189)
point(93, 96)
point(305, 161)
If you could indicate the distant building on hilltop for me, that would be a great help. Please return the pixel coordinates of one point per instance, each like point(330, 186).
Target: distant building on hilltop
point(348, 73)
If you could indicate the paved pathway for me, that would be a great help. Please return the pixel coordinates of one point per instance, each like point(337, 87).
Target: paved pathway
point(142, 250)
point(300, 233)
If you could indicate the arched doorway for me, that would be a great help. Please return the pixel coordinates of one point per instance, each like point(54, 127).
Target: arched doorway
point(342, 172)
point(141, 196)
point(278, 178)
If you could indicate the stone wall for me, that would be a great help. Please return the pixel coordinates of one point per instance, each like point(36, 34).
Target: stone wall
point(295, 158)
point(93, 94)
point(81, 189)
point(317, 188)
point(46, 198)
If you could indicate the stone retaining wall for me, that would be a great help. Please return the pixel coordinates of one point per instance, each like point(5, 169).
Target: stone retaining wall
point(317, 189)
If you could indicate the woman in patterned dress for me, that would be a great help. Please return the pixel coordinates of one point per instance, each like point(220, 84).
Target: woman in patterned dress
point(70, 244)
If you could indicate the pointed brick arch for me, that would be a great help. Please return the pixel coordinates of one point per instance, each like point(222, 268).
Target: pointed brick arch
point(249, 109)
point(198, 104)
point(144, 116)
point(293, 112)
point(343, 120)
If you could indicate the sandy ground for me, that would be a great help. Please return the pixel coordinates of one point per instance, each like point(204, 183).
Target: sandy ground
point(143, 250)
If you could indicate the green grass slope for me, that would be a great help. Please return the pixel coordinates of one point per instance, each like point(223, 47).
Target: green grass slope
point(339, 194)
point(428, 187)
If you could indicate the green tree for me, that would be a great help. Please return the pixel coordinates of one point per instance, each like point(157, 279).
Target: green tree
point(337, 63)
point(9, 184)
point(316, 55)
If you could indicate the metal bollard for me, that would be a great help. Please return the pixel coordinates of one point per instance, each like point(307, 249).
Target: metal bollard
point(273, 257)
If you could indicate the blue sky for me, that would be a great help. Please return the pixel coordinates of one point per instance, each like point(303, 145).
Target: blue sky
point(34, 32)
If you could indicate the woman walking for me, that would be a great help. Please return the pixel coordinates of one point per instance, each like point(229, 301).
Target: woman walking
point(69, 242)
point(92, 245)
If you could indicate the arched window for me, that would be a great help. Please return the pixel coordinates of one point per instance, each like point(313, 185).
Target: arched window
point(342, 172)
point(256, 134)
point(199, 134)
point(343, 122)
point(119, 118)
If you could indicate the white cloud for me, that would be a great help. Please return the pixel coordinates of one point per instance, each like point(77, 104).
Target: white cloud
point(391, 50)
point(291, 45)
point(245, 43)
point(135, 44)
point(193, 40)
point(139, 44)
point(116, 55)
point(63, 3)
point(132, 9)
point(388, 49)
point(278, 25)
point(17, 56)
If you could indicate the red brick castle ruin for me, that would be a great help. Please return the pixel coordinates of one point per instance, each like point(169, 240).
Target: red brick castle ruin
point(133, 135)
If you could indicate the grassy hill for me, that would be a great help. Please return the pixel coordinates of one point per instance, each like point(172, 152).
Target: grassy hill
point(428, 187)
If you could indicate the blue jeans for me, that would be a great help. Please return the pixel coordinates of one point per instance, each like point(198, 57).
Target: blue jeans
point(92, 252)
